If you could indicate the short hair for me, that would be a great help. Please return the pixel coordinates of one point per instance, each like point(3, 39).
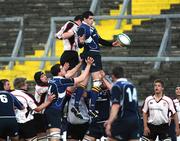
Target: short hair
point(118, 72)
point(86, 14)
point(55, 69)
point(159, 81)
point(19, 82)
point(78, 17)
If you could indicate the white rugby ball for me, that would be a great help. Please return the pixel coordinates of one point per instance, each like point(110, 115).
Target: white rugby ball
point(124, 39)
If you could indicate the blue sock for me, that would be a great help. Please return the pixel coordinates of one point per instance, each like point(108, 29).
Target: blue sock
point(78, 93)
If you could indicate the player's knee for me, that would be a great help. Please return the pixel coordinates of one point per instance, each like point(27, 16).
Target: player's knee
point(54, 135)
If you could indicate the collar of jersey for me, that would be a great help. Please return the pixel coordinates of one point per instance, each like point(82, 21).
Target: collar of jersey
point(85, 23)
point(58, 77)
point(121, 79)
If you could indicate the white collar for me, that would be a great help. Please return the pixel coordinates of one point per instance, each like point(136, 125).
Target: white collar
point(58, 77)
point(122, 79)
point(85, 23)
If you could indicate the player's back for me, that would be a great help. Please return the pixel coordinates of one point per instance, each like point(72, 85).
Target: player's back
point(6, 104)
point(128, 100)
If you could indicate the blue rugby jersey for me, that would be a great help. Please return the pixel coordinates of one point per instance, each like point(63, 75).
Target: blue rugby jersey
point(7, 103)
point(58, 86)
point(91, 37)
point(124, 93)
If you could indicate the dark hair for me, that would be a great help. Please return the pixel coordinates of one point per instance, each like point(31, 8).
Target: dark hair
point(86, 14)
point(159, 81)
point(19, 82)
point(1, 86)
point(37, 78)
point(4, 81)
point(55, 69)
point(118, 72)
point(78, 17)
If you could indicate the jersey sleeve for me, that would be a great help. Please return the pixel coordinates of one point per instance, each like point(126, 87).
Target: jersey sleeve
point(116, 94)
point(145, 106)
point(172, 106)
point(105, 42)
point(41, 90)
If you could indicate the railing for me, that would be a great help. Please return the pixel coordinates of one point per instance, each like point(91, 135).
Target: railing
point(19, 39)
point(50, 45)
point(126, 7)
point(161, 49)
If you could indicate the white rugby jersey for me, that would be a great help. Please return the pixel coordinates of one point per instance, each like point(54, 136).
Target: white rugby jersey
point(177, 105)
point(72, 42)
point(83, 109)
point(158, 110)
point(39, 90)
point(24, 116)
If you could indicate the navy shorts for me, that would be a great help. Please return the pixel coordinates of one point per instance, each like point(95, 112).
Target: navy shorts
point(97, 64)
point(27, 130)
point(125, 129)
point(96, 130)
point(8, 127)
point(76, 131)
point(53, 118)
point(71, 57)
point(40, 122)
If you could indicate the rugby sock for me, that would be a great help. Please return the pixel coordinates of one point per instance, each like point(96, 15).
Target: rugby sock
point(78, 93)
point(94, 95)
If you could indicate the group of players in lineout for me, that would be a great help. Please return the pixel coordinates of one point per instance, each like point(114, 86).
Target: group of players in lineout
point(109, 109)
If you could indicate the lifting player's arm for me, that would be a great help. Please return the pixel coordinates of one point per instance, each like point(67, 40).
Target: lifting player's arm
point(71, 72)
point(85, 73)
point(45, 104)
point(106, 82)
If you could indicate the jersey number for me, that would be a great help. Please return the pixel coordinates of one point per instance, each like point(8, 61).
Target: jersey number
point(132, 95)
point(3, 98)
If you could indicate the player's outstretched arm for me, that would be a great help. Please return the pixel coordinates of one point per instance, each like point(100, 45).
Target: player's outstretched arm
point(45, 104)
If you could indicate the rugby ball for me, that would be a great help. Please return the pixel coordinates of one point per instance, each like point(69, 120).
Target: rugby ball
point(124, 39)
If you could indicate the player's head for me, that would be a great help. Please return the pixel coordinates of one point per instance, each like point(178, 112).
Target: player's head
point(78, 19)
point(6, 84)
point(20, 83)
point(158, 86)
point(117, 72)
point(40, 78)
point(57, 70)
point(177, 90)
point(88, 17)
